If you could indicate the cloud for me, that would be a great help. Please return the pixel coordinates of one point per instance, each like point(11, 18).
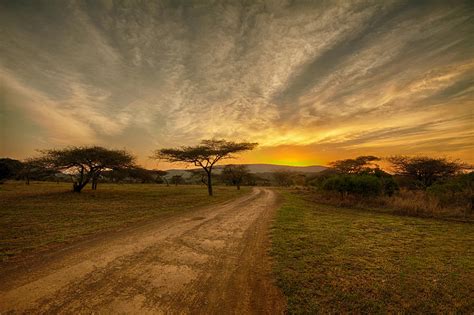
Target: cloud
point(358, 75)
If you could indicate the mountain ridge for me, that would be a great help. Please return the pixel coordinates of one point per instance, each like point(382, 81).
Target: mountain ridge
point(268, 168)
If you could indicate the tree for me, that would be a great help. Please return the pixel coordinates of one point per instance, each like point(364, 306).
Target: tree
point(34, 169)
point(198, 176)
point(205, 155)
point(160, 177)
point(283, 178)
point(358, 165)
point(234, 174)
point(177, 179)
point(9, 168)
point(85, 164)
point(424, 169)
point(142, 175)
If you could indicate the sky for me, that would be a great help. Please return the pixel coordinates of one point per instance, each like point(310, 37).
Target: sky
point(310, 81)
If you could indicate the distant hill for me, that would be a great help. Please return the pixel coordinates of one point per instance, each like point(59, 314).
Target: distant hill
point(266, 168)
point(260, 168)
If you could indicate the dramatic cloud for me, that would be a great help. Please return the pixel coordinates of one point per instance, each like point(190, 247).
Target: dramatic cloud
point(326, 79)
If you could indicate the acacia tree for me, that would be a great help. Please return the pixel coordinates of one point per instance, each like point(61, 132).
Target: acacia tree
point(85, 164)
point(160, 176)
point(177, 179)
point(9, 168)
point(35, 169)
point(234, 174)
point(425, 169)
point(355, 166)
point(205, 155)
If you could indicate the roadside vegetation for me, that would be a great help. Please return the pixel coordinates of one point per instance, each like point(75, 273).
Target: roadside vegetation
point(415, 186)
point(44, 215)
point(331, 259)
point(353, 238)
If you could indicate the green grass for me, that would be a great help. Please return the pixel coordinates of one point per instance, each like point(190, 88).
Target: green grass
point(44, 215)
point(330, 259)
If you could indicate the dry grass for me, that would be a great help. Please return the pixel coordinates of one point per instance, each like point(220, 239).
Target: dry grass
point(405, 202)
point(44, 215)
point(339, 260)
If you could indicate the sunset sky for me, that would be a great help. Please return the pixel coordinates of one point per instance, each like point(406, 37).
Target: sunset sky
point(310, 81)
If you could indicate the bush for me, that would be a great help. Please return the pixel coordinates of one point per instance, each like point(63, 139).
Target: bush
point(390, 186)
point(366, 185)
point(362, 185)
point(456, 191)
point(408, 183)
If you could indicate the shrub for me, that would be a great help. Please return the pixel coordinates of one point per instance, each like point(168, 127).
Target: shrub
point(365, 185)
point(390, 186)
point(456, 191)
point(362, 185)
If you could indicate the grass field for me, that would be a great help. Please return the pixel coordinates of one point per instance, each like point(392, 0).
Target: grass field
point(45, 215)
point(335, 260)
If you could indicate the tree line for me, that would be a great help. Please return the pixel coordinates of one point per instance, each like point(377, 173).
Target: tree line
point(88, 164)
point(360, 176)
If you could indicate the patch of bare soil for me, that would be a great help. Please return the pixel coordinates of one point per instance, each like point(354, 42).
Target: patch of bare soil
point(210, 261)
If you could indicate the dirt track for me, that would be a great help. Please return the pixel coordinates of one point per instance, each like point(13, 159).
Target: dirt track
point(210, 261)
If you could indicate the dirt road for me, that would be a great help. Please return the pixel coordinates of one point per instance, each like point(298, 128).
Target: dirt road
point(209, 261)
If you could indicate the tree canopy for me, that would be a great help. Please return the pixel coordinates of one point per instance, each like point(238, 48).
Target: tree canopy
point(9, 168)
point(425, 169)
point(358, 165)
point(234, 174)
point(205, 155)
point(85, 164)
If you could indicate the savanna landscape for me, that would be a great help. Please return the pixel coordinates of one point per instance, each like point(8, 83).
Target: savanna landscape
point(242, 157)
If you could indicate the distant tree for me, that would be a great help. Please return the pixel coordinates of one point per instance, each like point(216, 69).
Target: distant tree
point(117, 175)
point(251, 179)
point(234, 174)
point(426, 170)
point(9, 168)
point(34, 169)
point(198, 176)
point(85, 164)
point(299, 179)
point(142, 175)
point(160, 176)
point(177, 179)
point(361, 164)
point(318, 179)
point(259, 180)
point(283, 178)
point(205, 155)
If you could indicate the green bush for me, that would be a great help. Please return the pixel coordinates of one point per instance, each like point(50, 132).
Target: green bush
point(362, 185)
point(390, 186)
point(365, 185)
point(455, 191)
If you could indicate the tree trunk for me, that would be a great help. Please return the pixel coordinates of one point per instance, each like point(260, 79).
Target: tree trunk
point(95, 180)
point(77, 186)
point(209, 183)
point(238, 186)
